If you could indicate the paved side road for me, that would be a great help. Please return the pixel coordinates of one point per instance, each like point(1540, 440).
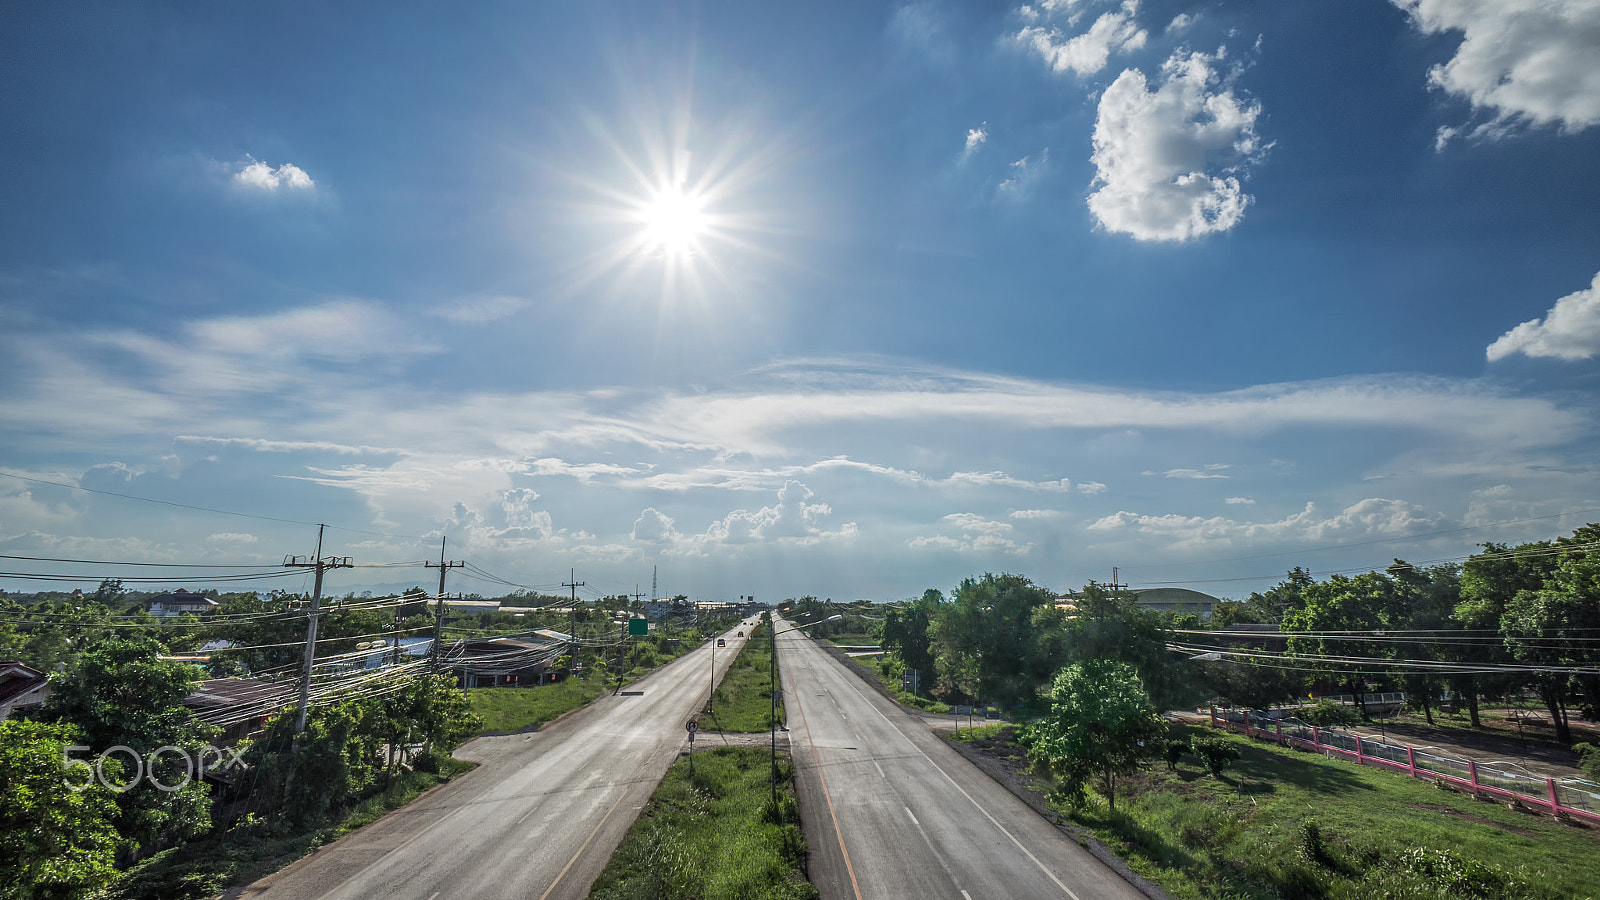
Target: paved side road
point(539, 817)
point(891, 811)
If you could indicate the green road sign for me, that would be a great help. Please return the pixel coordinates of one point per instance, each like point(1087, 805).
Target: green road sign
point(638, 628)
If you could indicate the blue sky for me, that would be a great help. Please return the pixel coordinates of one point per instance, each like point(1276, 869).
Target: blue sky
point(847, 300)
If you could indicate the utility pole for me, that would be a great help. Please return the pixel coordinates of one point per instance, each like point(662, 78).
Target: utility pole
point(654, 595)
point(574, 584)
point(438, 606)
point(320, 564)
point(1114, 586)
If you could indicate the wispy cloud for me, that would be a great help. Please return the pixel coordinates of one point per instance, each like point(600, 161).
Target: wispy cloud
point(1086, 53)
point(1211, 470)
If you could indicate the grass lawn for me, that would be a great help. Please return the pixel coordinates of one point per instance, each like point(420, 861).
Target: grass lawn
point(713, 836)
point(509, 710)
point(1282, 823)
point(247, 852)
point(744, 698)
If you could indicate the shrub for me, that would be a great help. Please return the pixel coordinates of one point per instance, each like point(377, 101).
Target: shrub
point(1327, 714)
point(1216, 753)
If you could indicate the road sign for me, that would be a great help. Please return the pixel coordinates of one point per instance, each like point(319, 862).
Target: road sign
point(638, 628)
point(692, 727)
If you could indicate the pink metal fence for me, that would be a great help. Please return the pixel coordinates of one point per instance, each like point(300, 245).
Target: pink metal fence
point(1563, 797)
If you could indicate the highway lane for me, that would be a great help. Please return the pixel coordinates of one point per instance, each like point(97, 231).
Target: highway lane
point(537, 819)
point(891, 811)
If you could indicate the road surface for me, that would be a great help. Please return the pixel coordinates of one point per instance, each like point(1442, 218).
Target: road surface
point(891, 811)
point(538, 818)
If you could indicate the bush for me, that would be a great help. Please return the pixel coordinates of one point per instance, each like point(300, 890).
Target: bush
point(1327, 714)
point(1216, 753)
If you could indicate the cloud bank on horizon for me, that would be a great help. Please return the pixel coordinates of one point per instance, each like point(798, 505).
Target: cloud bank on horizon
point(1198, 292)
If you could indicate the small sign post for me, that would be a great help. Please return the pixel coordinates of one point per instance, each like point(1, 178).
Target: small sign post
point(692, 727)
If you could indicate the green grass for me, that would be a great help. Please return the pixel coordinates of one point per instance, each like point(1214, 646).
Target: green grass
point(979, 732)
point(713, 836)
point(744, 698)
point(251, 850)
point(509, 710)
point(1281, 823)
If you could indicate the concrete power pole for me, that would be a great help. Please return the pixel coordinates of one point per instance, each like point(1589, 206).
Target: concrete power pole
point(320, 564)
point(438, 607)
point(574, 584)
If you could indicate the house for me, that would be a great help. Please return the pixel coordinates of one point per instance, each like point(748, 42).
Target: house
point(181, 602)
point(523, 660)
point(240, 706)
point(21, 687)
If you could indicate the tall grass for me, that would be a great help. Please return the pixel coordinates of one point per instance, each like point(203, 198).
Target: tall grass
point(715, 835)
point(1281, 823)
point(509, 710)
point(744, 697)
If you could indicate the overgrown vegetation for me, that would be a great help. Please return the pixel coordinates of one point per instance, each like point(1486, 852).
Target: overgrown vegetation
point(715, 835)
point(1283, 824)
point(510, 710)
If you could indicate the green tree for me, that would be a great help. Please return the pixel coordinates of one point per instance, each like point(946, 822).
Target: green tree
point(123, 694)
point(905, 634)
point(990, 630)
point(1366, 602)
point(1101, 726)
point(1490, 580)
point(1425, 603)
point(1112, 625)
point(57, 841)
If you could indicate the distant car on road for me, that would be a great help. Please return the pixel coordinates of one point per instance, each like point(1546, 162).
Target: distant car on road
point(741, 634)
point(721, 642)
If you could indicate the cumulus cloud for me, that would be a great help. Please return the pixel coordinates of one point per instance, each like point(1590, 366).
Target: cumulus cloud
point(1239, 501)
point(1569, 331)
point(974, 533)
point(1091, 487)
point(792, 517)
point(1528, 62)
point(1372, 517)
point(257, 175)
point(1088, 52)
point(1168, 160)
point(653, 527)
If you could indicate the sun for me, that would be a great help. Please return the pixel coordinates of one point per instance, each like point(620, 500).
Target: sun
point(673, 222)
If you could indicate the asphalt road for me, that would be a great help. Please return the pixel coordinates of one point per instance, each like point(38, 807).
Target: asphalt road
point(538, 818)
point(891, 811)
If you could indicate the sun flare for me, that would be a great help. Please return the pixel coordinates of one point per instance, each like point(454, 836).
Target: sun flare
point(673, 222)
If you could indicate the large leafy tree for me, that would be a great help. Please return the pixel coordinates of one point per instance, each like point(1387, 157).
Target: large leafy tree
point(123, 694)
point(1425, 603)
point(989, 629)
point(1101, 727)
point(905, 634)
point(1112, 625)
point(57, 840)
point(1365, 603)
point(1490, 580)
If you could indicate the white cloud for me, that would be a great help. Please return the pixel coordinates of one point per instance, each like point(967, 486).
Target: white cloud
point(1180, 23)
point(1239, 501)
point(791, 518)
point(230, 537)
point(1026, 174)
point(975, 139)
point(653, 527)
point(1033, 514)
point(257, 175)
point(1570, 331)
point(977, 534)
point(1369, 518)
point(1168, 161)
point(1086, 53)
point(1091, 487)
point(1212, 470)
point(1522, 61)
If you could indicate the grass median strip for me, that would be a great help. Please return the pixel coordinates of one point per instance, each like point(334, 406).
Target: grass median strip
point(715, 835)
point(744, 697)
